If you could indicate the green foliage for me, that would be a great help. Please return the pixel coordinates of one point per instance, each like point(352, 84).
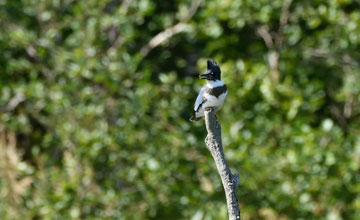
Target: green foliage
point(92, 127)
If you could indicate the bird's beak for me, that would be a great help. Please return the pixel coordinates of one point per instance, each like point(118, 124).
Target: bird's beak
point(204, 76)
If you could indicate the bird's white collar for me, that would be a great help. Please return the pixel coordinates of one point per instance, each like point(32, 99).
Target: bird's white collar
point(213, 84)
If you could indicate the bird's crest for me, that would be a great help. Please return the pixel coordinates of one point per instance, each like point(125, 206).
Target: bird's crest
point(213, 66)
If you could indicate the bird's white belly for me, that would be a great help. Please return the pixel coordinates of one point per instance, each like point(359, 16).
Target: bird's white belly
point(213, 102)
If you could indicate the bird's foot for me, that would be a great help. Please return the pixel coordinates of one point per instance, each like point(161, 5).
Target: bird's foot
point(210, 109)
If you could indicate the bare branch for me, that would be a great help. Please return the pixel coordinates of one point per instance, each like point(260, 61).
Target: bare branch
point(350, 77)
point(266, 36)
point(171, 31)
point(229, 180)
point(116, 39)
point(348, 105)
point(273, 55)
point(193, 9)
point(162, 36)
point(273, 59)
point(275, 40)
point(319, 53)
point(336, 112)
point(125, 6)
point(15, 101)
point(285, 12)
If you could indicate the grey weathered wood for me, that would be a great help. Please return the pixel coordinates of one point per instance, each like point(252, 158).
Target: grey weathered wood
point(229, 181)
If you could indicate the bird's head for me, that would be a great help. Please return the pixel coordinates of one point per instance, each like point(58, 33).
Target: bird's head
point(212, 71)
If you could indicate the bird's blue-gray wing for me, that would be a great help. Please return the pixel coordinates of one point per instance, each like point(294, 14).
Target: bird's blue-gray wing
point(200, 99)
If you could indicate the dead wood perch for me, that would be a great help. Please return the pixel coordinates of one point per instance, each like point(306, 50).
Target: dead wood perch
point(230, 182)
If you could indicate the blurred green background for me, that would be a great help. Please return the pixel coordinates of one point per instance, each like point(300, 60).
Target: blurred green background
point(96, 96)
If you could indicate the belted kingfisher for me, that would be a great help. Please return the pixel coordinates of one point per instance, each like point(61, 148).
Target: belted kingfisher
point(213, 94)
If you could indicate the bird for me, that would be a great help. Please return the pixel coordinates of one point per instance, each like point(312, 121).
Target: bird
point(212, 94)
